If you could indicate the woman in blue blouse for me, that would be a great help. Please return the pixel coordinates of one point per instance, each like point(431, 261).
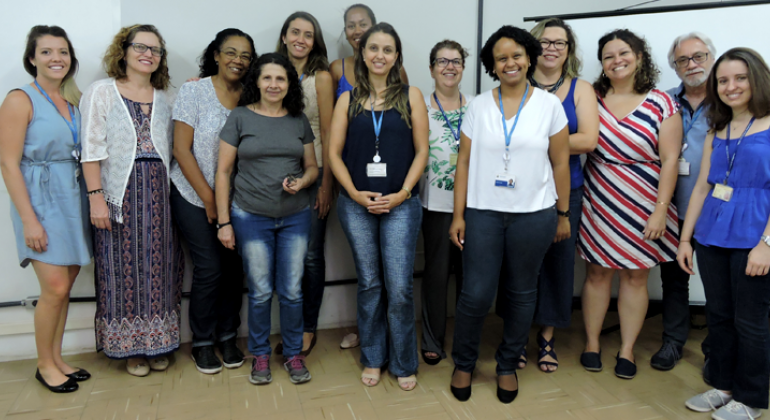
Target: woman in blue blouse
point(731, 203)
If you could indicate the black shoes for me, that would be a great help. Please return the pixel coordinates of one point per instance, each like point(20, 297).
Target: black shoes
point(79, 375)
point(625, 369)
point(70, 385)
point(232, 356)
point(592, 362)
point(462, 394)
point(430, 360)
point(667, 357)
point(507, 397)
point(206, 361)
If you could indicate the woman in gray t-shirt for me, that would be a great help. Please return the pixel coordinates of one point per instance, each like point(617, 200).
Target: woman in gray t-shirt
point(269, 219)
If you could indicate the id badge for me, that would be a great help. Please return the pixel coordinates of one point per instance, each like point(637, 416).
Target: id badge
point(722, 192)
point(377, 170)
point(453, 159)
point(684, 167)
point(505, 181)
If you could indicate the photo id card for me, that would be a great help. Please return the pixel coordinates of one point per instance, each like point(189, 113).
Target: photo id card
point(722, 192)
point(376, 169)
point(505, 181)
point(453, 159)
point(684, 167)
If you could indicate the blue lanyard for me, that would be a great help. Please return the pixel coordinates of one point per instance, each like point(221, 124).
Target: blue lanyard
point(448, 123)
point(730, 160)
point(692, 121)
point(72, 124)
point(377, 128)
point(509, 134)
point(301, 76)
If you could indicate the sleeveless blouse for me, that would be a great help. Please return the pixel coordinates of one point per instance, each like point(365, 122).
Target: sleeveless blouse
point(310, 98)
point(343, 85)
point(575, 170)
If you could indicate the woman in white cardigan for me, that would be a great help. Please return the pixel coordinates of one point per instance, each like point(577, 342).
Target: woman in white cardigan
point(127, 133)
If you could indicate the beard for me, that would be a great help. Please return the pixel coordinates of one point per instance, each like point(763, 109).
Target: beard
point(695, 81)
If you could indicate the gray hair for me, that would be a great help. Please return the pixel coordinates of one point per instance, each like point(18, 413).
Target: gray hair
point(692, 35)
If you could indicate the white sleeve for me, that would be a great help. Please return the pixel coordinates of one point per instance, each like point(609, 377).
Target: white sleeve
point(93, 126)
point(467, 126)
point(559, 117)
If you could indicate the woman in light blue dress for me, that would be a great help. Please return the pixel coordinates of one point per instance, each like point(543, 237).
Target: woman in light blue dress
point(39, 152)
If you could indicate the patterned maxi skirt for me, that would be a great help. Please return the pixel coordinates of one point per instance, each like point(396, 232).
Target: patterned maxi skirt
point(139, 270)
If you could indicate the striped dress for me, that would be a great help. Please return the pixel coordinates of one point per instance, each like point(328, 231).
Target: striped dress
point(621, 189)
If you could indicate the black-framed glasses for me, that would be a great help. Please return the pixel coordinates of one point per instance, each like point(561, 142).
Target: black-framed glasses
point(443, 62)
point(559, 45)
point(697, 58)
point(141, 49)
point(232, 55)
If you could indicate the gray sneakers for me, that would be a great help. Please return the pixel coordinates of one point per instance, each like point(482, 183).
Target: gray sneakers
point(736, 411)
point(298, 372)
point(708, 401)
point(260, 370)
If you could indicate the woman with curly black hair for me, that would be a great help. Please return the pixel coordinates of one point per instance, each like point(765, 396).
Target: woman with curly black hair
point(628, 222)
point(200, 112)
point(269, 219)
point(511, 201)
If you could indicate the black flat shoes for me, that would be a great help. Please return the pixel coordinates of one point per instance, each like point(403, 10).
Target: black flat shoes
point(591, 361)
point(79, 375)
point(70, 385)
point(624, 369)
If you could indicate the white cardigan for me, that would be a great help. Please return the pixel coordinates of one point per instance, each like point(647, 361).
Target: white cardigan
point(109, 136)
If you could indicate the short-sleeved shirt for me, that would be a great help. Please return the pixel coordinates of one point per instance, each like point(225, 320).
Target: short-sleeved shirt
point(694, 139)
point(535, 189)
point(269, 150)
point(198, 106)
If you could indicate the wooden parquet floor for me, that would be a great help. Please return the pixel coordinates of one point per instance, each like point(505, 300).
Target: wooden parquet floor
point(336, 393)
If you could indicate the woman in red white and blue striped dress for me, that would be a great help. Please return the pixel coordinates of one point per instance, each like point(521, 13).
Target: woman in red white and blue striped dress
point(628, 222)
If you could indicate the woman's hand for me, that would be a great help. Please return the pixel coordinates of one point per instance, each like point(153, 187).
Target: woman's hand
point(365, 198)
point(211, 209)
point(759, 260)
point(457, 232)
point(100, 213)
point(293, 187)
point(384, 204)
point(684, 257)
point(563, 230)
point(226, 235)
point(656, 224)
point(35, 236)
point(323, 201)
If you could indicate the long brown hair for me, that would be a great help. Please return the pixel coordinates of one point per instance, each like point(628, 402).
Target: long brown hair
point(317, 60)
point(647, 72)
point(393, 96)
point(114, 59)
point(719, 114)
point(68, 89)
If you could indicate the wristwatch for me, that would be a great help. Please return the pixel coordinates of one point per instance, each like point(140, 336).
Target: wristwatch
point(563, 213)
point(766, 240)
point(220, 226)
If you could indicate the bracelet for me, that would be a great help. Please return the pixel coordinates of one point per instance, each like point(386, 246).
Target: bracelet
point(94, 192)
point(408, 192)
point(221, 225)
point(663, 203)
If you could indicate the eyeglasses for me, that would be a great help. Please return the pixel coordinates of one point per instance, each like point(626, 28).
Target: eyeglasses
point(231, 55)
point(559, 45)
point(141, 49)
point(697, 58)
point(443, 62)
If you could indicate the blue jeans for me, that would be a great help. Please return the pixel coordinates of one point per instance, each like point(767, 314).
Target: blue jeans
point(314, 279)
point(273, 252)
point(383, 249)
point(493, 239)
point(739, 337)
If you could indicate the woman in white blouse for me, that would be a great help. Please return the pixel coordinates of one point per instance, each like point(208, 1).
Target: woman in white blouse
point(512, 179)
point(127, 132)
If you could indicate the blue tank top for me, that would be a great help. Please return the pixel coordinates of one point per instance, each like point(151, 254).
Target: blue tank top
point(396, 150)
point(576, 172)
point(343, 86)
point(738, 223)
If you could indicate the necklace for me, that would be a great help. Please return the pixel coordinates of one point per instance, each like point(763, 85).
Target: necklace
point(549, 88)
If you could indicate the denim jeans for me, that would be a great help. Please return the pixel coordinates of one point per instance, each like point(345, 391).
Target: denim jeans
point(217, 284)
point(739, 354)
point(440, 256)
point(493, 239)
point(273, 252)
point(384, 247)
point(314, 279)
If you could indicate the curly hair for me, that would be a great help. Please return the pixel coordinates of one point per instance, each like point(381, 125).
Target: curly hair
point(114, 59)
point(647, 72)
point(521, 37)
point(719, 114)
point(292, 102)
point(449, 45)
point(572, 64)
point(207, 64)
point(393, 95)
point(317, 59)
point(68, 89)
